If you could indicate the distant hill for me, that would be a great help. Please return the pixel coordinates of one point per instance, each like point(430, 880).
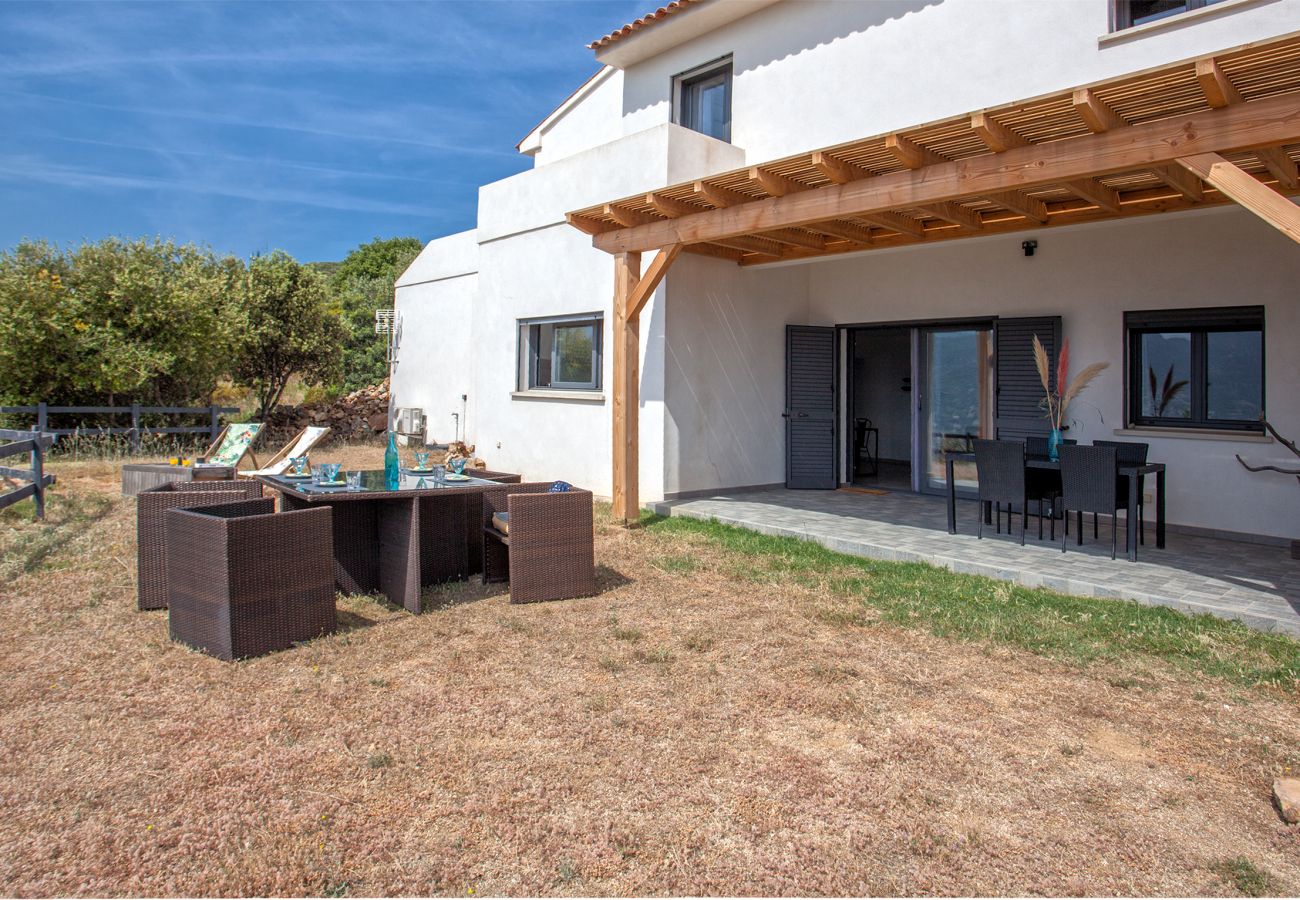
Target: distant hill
point(327, 269)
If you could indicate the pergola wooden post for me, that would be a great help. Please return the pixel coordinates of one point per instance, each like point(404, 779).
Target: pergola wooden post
point(632, 290)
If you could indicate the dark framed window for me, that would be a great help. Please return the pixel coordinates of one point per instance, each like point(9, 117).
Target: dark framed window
point(702, 99)
point(1196, 368)
point(562, 353)
point(1128, 13)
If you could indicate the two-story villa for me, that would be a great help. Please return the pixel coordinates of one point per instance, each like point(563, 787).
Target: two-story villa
point(809, 243)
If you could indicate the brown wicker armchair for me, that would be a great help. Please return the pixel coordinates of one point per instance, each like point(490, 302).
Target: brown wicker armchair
point(151, 535)
point(474, 515)
point(549, 553)
point(244, 580)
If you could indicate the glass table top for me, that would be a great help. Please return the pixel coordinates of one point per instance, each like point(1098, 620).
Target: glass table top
point(373, 481)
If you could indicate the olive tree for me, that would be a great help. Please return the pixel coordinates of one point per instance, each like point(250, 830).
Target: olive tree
point(287, 329)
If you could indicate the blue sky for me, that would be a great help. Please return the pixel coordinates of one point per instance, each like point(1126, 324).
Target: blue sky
point(250, 127)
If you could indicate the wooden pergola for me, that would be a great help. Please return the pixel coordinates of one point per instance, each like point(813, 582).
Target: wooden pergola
point(1197, 134)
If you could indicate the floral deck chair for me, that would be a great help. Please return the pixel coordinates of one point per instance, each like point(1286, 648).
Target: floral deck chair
point(233, 444)
point(302, 442)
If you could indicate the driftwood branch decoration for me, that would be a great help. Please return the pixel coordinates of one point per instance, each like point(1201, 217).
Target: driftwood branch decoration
point(1290, 445)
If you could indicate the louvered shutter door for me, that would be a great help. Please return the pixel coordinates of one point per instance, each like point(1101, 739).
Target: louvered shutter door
point(1019, 406)
point(810, 408)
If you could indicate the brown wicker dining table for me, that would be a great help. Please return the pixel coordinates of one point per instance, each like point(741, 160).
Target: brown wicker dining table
point(1132, 473)
point(395, 540)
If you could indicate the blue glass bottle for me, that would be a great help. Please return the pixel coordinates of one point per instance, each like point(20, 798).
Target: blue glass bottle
point(392, 465)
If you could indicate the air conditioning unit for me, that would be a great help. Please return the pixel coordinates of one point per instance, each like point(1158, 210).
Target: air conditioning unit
point(410, 421)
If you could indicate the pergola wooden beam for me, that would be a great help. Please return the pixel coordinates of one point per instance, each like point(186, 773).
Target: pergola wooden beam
point(858, 234)
point(751, 245)
point(795, 238)
point(837, 170)
point(719, 197)
point(914, 156)
point(1219, 92)
point(1238, 184)
point(628, 218)
point(999, 138)
point(668, 207)
point(956, 214)
point(774, 184)
point(841, 172)
point(1018, 202)
point(1266, 122)
point(1099, 117)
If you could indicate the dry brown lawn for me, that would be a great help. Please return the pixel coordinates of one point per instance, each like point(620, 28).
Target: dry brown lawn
point(684, 732)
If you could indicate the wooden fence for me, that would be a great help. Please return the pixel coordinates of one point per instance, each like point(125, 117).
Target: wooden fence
point(35, 444)
point(43, 411)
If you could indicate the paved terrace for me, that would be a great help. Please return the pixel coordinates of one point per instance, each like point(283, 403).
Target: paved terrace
point(1257, 584)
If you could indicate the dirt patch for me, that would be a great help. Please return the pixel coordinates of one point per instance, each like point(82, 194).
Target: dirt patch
point(685, 732)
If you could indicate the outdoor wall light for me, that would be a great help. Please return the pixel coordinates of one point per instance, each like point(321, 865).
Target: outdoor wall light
point(1029, 247)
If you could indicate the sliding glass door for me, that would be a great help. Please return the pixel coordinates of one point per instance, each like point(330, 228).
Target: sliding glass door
point(955, 401)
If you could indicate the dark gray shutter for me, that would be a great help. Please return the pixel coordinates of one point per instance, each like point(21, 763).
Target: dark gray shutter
point(1019, 410)
point(810, 407)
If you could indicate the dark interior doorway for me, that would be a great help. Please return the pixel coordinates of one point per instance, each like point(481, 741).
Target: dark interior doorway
point(880, 411)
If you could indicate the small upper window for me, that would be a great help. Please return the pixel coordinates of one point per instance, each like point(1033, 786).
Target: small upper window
point(703, 100)
point(561, 354)
point(1129, 13)
point(1201, 368)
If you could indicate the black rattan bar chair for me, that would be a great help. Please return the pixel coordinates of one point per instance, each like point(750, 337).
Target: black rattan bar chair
point(1130, 453)
point(1000, 468)
point(1088, 485)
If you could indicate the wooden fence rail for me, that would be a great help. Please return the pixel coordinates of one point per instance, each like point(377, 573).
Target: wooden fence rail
point(35, 444)
point(43, 411)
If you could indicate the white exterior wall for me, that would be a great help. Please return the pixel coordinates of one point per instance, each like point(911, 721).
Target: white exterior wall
point(725, 373)
point(810, 74)
point(1090, 275)
point(597, 118)
point(436, 297)
point(813, 73)
point(531, 263)
point(726, 353)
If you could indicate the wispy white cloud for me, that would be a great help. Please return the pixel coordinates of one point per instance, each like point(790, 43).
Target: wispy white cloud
point(23, 169)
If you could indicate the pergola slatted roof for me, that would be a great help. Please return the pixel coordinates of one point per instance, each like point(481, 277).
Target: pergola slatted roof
point(1254, 73)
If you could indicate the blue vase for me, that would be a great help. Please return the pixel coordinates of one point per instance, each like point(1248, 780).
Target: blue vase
point(392, 464)
point(1054, 444)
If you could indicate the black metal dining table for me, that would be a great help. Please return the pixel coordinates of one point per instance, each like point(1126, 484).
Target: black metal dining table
point(1134, 475)
point(396, 540)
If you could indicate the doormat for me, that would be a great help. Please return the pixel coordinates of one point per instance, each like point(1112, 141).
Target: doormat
point(848, 489)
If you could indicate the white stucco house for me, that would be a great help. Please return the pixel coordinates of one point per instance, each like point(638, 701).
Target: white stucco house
point(854, 217)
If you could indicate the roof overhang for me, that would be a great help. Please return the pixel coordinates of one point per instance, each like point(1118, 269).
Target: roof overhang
point(1180, 137)
point(668, 26)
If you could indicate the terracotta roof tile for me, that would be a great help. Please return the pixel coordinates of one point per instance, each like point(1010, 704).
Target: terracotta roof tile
point(645, 21)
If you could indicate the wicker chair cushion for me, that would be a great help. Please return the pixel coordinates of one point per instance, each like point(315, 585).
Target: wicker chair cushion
point(501, 522)
point(561, 487)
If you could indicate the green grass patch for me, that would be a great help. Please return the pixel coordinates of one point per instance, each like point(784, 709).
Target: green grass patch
point(676, 565)
point(26, 542)
point(976, 608)
point(1246, 878)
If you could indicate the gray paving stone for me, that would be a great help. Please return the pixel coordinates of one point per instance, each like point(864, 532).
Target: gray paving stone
point(1253, 583)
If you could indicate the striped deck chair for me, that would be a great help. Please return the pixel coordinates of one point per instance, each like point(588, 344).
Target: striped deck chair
point(302, 442)
point(233, 444)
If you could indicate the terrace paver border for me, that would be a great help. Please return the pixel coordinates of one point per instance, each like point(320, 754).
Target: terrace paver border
point(1256, 584)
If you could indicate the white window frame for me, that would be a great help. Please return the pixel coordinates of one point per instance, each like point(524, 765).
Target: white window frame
point(720, 66)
